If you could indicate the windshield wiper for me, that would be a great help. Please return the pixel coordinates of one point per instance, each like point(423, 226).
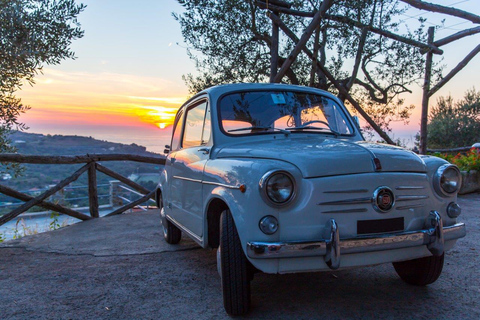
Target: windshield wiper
point(315, 128)
point(285, 132)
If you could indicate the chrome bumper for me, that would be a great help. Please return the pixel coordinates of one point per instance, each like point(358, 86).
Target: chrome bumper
point(433, 236)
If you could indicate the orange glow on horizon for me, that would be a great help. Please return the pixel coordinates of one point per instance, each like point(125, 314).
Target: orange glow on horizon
point(79, 99)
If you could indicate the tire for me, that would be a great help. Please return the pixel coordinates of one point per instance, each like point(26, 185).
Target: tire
point(420, 272)
point(234, 268)
point(171, 233)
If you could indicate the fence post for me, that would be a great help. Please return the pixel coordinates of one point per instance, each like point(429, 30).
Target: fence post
point(115, 201)
point(92, 190)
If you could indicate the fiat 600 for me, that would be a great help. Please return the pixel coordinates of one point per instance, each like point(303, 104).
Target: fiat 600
point(279, 179)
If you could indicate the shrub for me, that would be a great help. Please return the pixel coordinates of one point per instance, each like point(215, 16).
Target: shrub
point(465, 162)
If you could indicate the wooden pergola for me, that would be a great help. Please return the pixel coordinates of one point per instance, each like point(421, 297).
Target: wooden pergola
point(276, 7)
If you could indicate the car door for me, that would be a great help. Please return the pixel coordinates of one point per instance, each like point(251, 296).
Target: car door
point(187, 168)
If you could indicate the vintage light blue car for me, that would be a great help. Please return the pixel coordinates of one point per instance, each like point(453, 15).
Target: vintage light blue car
point(280, 179)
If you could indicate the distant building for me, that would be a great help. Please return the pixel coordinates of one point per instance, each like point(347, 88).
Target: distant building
point(6, 176)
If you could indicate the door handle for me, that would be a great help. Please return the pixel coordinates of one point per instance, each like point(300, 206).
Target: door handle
point(204, 150)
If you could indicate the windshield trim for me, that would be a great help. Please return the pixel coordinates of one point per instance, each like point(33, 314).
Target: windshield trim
point(342, 108)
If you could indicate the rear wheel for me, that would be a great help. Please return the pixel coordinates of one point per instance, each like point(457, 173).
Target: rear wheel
point(420, 272)
point(234, 268)
point(171, 233)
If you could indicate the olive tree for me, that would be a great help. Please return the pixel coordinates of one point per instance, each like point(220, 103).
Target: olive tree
point(455, 124)
point(33, 33)
point(230, 41)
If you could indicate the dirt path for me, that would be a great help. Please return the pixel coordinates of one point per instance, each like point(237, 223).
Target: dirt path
point(120, 268)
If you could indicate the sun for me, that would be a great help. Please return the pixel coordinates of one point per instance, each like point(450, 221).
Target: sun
point(160, 116)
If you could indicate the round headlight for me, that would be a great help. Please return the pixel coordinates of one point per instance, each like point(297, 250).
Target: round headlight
point(278, 186)
point(447, 180)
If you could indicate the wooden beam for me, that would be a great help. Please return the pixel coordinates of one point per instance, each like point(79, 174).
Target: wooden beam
point(425, 46)
point(326, 4)
point(456, 36)
point(426, 96)
point(123, 179)
point(274, 51)
point(20, 158)
point(443, 9)
point(93, 190)
point(454, 71)
point(278, 3)
point(330, 77)
point(461, 149)
point(275, 8)
point(35, 201)
point(132, 204)
point(44, 204)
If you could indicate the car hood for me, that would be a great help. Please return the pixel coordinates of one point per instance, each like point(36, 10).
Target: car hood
point(326, 157)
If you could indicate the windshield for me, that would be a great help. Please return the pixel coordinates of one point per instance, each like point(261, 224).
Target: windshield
point(257, 112)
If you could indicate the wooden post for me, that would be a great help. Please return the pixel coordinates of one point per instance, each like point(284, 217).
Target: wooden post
point(92, 190)
point(425, 98)
point(274, 51)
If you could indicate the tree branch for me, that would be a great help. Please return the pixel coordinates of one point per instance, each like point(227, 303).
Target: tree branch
point(326, 4)
point(442, 9)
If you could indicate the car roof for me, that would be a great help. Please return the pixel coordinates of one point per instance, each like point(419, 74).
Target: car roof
point(216, 91)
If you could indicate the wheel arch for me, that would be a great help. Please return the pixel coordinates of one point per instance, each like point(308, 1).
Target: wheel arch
point(214, 210)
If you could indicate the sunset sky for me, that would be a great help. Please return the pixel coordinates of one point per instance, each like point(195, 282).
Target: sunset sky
point(125, 85)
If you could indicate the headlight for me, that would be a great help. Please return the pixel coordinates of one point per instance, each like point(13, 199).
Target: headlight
point(278, 187)
point(447, 180)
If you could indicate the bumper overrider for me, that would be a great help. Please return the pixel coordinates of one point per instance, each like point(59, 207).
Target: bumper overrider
point(433, 236)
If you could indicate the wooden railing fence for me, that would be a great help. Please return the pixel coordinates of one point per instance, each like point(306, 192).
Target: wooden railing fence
point(91, 166)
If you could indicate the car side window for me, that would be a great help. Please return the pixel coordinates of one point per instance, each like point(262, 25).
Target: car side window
point(194, 124)
point(177, 132)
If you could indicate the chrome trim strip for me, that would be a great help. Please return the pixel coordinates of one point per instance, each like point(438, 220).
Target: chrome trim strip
point(187, 179)
point(220, 184)
point(347, 211)
point(207, 182)
point(295, 249)
point(409, 187)
point(410, 198)
point(413, 206)
point(348, 201)
point(347, 191)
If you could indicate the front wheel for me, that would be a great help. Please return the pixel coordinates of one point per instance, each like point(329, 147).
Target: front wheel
point(234, 268)
point(420, 272)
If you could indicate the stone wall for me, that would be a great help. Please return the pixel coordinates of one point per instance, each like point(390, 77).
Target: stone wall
point(471, 182)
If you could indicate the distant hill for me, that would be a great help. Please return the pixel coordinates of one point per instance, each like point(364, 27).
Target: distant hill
point(39, 144)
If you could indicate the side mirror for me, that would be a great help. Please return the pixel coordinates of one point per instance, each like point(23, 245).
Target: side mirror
point(167, 149)
point(357, 121)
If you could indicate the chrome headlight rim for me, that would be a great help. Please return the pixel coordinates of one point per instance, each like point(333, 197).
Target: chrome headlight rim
point(437, 180)
point(264, 192)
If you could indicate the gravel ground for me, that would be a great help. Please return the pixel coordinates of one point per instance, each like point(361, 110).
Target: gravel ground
point(119, 268)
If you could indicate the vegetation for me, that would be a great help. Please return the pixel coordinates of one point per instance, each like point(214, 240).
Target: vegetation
point(33, 33)
point(455, 124)
point(230, 42)
point(465, 162)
